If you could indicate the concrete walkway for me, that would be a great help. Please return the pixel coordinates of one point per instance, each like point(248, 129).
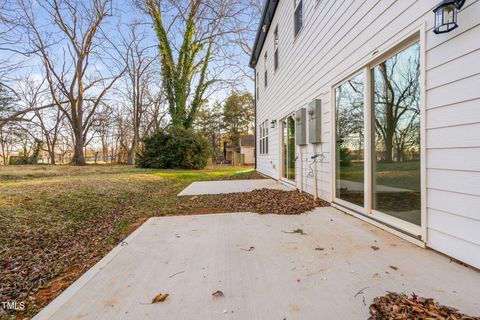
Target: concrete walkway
point(359, 186)
point(229, 186)
point(330, 273)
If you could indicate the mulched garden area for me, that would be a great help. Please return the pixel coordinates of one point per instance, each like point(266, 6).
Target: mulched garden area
point(395, 306)
point(259, 201)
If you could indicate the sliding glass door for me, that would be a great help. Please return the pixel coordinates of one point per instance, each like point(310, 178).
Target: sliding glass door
point(350, 165)
point(288, 148)
point(387, 98)
point(396, 114)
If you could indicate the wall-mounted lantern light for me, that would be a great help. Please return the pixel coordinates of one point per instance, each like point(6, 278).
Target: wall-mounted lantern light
point(446, 15)
point(273, 124)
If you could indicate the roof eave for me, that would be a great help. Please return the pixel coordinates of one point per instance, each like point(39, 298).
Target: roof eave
point(266, 20)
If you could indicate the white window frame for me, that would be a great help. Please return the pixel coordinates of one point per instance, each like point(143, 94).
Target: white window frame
point(263, 138)
point(296, 28)
point(257, 87)
point(265, 66)
point(275, 48)
point(384, 221)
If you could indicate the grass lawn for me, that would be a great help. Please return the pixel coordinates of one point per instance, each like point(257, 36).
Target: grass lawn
point(57, 221)
point(401, 175)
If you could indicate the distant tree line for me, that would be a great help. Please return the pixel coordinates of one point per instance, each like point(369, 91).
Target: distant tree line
point(81, 83)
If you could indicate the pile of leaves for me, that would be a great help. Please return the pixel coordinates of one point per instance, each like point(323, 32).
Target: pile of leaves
point(260, 201)
point(400, 306)
point(248, 175)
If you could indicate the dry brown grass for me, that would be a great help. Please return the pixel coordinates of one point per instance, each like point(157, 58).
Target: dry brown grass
point(57, 221)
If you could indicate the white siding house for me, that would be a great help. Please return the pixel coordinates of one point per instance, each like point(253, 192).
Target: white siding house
point(342, 56)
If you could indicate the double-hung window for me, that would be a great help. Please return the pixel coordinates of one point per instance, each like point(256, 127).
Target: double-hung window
point(298, 16)
point(275, 47)
point(265, 66)
point(257, 86)
point(264, 137)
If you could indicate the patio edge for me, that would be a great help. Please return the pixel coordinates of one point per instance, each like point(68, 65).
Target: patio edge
point(50, 309)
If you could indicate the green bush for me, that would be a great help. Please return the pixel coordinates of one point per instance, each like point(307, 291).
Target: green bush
point(24, 158)
point(174, 149)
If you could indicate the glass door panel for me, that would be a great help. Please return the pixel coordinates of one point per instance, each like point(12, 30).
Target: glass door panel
point(288, 148)
point(349, 147)
point(396, 114)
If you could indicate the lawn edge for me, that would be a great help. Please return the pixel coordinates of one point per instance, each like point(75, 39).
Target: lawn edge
point(51, 308)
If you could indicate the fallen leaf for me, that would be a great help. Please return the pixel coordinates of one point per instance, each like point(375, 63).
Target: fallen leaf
point(160, 297)
point(299, 231)
point(218, 293)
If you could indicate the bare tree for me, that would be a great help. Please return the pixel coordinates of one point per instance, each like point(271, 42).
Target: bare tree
point(73, 31)
point(244, 39)
point(396, 99)
point(141, 86)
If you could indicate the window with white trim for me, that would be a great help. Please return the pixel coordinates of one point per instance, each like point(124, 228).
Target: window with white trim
point(275, 48)
point(298, 16)
point(265, 66)
point(258, 86)
point(263, 137)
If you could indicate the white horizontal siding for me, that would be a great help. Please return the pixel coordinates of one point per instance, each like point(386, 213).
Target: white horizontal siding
point(467, 182)
point(467, 112)
point(456, 203)
point(457, 69)
point(455, 247)
point(339, 38)
point(463, 136)
point(455, 226)
point(455, 92)
point(461, 159)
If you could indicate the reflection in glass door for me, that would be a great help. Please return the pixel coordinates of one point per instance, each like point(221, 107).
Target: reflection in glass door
point(396, 114)
point(349, 147)
point(288, 148)
point(393, 187)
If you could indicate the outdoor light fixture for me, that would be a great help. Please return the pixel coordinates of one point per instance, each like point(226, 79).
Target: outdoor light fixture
point(446, 15)
point(273, 124)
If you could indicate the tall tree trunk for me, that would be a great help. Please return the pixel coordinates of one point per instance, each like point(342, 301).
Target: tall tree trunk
point(131, 158)
point(388, 147)
point(78, 153)
point(132, 153)
point(51, 152)
point(389, 116)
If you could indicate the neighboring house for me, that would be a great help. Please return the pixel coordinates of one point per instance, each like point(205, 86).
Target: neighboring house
point(247, 148)
point(362, 103)
point(230, 150)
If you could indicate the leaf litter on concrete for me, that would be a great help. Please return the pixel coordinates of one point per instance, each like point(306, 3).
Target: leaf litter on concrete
point(399, 306)
point(261, 201)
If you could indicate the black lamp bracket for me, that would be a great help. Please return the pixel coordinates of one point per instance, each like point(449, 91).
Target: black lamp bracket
point(459, 4)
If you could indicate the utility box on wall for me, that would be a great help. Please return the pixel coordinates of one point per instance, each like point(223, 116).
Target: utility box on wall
point(315, 121)
point(301, 127)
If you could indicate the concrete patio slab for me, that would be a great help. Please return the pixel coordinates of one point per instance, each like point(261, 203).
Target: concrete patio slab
point(330, 273)
point(230, 186)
